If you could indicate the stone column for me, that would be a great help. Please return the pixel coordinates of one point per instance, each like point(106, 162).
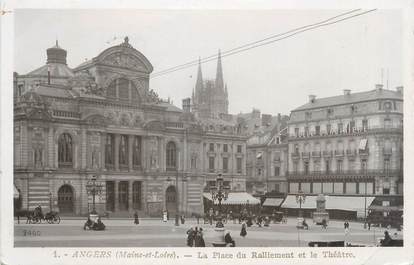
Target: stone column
point(130, 209)
point(116, 195)
point(102, 160)
point(130, 146)
point(143, 153)
point(50, 149)
point(83, 144)
point(116, 162)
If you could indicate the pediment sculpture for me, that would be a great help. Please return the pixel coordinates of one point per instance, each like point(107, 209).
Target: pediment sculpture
point(126, 60)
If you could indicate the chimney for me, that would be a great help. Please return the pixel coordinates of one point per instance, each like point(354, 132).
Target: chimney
point(378, 87)
point(400, 90)
point(312, 98)
point(279, 118)
point(347, 92)
point(187, 105)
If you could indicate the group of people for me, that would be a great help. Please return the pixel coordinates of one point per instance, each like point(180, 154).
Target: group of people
point(195, 237)
point(96, 225)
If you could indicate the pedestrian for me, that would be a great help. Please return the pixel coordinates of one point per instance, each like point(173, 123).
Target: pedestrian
point(229, 240)
point(198, 238)
point(386, 242)
point(346, 227)
point(136, 220)
point(324, 224)
point(369, 225)
point(243, 231)
point(190, 237)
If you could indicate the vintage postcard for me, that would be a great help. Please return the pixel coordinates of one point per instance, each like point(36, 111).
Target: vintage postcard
point(190, 132)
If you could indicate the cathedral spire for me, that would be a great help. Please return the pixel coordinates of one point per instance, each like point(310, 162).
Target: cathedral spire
point(199, 83)
point(219, 75)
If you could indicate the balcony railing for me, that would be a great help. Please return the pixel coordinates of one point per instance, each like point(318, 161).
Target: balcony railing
point(389, 172)
point(393, 128)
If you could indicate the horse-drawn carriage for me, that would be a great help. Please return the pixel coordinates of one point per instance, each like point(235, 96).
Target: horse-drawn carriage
point(36, 216)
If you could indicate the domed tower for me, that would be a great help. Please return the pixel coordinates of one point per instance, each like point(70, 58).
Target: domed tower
point(56, 54)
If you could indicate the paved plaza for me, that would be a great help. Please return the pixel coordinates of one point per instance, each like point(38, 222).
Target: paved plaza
point(155, 233)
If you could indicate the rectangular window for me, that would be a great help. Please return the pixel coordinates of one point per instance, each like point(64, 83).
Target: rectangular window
point(211, 149)
point(317, 130)
point(225, 148)
point(339, 164)
point(387, 123)
point(340, 128)
point(295, 167)
point(193, 162)
point(297, 132)
point(225, 164)
point(363, 165)
point(277, 171)
point(211, 163)
point(277, 188)
point(306, 167)
point(306, 131)
point(364, 125)
point(328, 129)
point(351, 126)
point(109, 150)
point(327, 166)
point(239, 149)
point(259, 171)
point(239, 165)
point(386, 165)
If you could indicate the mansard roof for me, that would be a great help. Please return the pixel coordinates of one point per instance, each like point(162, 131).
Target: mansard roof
point(351, 98)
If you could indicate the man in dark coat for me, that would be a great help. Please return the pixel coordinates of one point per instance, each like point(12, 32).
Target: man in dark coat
point(229, 240)
point(136, 220)
point(190, 237)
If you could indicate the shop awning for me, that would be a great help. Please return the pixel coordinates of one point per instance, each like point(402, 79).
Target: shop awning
point(345, 203)
point(16, 193)
point(381, 208)
point(290, 202)
point(273, 202)
point(236, 198)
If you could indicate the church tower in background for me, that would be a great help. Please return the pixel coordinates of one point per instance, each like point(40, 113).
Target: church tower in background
point(210, 97)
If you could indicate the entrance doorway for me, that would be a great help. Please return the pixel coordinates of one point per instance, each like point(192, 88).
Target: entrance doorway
point(110, 196)
point(65, 199)
point(123, 195)
point(171, 200)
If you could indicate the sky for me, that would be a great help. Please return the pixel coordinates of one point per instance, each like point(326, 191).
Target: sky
point(275, 78)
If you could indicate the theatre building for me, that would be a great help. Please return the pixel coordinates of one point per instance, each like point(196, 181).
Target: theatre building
point(101, 120)
point(348, 145)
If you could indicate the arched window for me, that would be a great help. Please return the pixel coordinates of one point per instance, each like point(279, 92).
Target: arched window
point(65, 147)
point(171, 156)
point(122, 89)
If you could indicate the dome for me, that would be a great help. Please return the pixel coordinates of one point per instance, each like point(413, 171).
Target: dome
point(56, 54)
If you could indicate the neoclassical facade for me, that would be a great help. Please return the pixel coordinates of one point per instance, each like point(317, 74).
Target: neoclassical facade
point(348, 144)
point(102, 120)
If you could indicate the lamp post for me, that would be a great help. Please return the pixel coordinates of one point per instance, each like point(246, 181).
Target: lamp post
point(177, 223)
point(93, 189)
point(300, 198)
point(219, 192)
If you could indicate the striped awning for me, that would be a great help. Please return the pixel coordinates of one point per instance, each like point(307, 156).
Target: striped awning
point(273, 202)
point(236, 198)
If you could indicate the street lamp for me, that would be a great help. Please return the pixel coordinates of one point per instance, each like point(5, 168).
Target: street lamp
point(219, 192)
point(300, 198)
point(93, 189)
